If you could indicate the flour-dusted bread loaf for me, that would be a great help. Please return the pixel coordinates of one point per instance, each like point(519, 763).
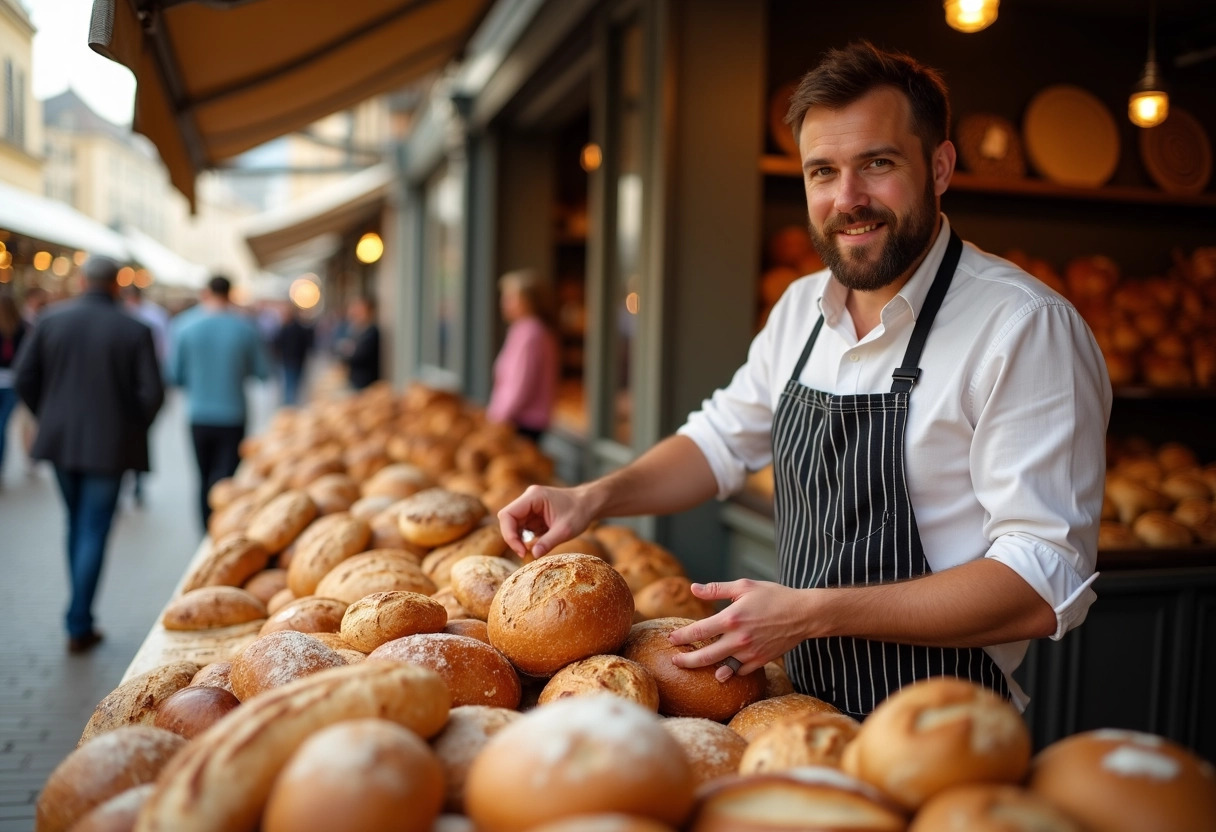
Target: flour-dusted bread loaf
point(991, 808)
point(712, 749)
point(475, 672)
point(212, 606)
point(377, 570)
point(100, 769)
point(809, 738)
point(435, 517)
point(230, 561)
point(475, 581)
point(311, 614)
point(384, 616)
point(311, 562)
point(760, 715)
point(224, 777)
point(279, 521)
point(278, 658)
point(469, 728)
point(134, 702)
point(603, 674)
point(559, 609)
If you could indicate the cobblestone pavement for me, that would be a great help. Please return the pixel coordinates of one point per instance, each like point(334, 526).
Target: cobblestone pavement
point(47, 695)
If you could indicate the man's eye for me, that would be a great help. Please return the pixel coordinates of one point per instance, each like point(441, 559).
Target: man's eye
point(819, 173)
point(880, 163)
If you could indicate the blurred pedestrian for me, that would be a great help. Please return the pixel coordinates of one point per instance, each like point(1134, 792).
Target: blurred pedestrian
point(526, 370)
point(12, 330)
point(36, 299)
point(359, 346)
point(88, 372)
point(212, 350)
point(157, 319)
point(292, 344)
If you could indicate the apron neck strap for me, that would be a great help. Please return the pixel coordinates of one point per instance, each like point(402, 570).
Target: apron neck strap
point(909, 371)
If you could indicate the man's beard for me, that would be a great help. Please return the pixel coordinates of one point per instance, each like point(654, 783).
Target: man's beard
point(908, 238)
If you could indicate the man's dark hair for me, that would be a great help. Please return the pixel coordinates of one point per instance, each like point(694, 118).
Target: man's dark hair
point(219, 286)
point(845, 75)
point(100, 272)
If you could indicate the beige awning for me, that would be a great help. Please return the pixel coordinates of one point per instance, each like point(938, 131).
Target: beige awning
point(215, 79)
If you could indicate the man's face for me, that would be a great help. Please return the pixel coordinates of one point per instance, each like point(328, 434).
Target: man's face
point(871, 197)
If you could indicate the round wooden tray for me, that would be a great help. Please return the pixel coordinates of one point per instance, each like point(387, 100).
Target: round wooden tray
point(1177, 153)
point(988, 145)
point(1071, 137)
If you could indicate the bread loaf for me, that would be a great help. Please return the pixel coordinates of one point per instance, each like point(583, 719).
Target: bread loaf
point(585, 543)
point(265, 584)
point(384, 616)
point(314, 561)
point(456, 612)
point(434, 517)
point(212, 606)
point(194, 709)
point(469, 728)
point(760, 715)
point(643, 563)
point(365, 508)
point(475, 672)
point(280, 599)
point(332, 492)
point(278, 658)
point(223, 778)
point(379, 570)
point(230, 561)
point(1159, 529)
point(604, 674)
point(475, 581)
point(471, 627)
point(277, 523)
point(987, 808)
point(805, 739)
point(397, 481)
point(307, 615)
point(119, 813)
point(777, 681)
point(485, 540)
point(214, 675)
point(670, 597)
point(560, 609)
point(134, 702)
point(611, 822)
point(712, 749)
point(363, 774)
point(100, 769)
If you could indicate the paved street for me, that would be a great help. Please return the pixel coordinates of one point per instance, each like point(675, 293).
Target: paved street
point(46, 695)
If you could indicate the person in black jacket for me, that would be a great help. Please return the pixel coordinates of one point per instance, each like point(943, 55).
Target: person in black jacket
point(89, 373)
point(360, 347)
point(292, 345)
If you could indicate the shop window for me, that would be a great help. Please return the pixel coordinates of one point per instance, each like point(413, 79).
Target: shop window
point(443, 274)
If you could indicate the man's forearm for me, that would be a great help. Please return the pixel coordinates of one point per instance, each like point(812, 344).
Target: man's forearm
point(672, 476)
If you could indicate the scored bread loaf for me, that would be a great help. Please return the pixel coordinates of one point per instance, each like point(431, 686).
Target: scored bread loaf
point(603, 674)
point(230, 561)
point(475, 581)
point(313, 561)
point(212, 606)
point(378, 570)
point(436, 516)
point(277, 523)
point(485, 540)
point(475, 672)
point(384, 616)
point(134, 702)
point(760, 715)
point(275, 659)
point(989, 808)
point(805, 739)
point(307, 615)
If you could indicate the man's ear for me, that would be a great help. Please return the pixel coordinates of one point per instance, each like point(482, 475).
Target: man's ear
point(944, 159)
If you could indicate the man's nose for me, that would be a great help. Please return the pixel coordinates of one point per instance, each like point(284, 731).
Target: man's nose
point(850, 193)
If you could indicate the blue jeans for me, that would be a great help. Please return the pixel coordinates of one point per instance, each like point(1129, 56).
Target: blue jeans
point(90, 500)
point(291, 384)
point(8, 401)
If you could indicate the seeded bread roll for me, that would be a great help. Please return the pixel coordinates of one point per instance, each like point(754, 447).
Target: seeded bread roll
point(938, 733)
point(214, 675)
point(278, 658)
point(805, 739)
point(278, 522)
point(475, 672)
point(230, 561)
point(134, 702)
point(560, 609)
point(119, 813)
point(312, 562)
point(100, 769)
point(683, 691)
point(986, 808)
point(475, 581)
point(670, 597)
point(307, 615)
point(384, 616)
point(712, 749)
point(435, 517)
point(469, 728)
point(485, 540)
point(603, 674)
point(193, 710)
point(265, 584)
point(212, 606)
point(360, 774)
point(379, 570)
point(760, 715)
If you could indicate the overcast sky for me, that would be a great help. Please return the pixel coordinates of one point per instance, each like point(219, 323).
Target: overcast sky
point(62, 58)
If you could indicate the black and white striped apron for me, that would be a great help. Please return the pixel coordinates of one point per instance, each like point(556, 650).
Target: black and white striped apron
point(843, 518)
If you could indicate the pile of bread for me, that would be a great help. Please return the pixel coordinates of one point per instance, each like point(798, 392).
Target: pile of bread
point(1155, 331)
point(1157, 496)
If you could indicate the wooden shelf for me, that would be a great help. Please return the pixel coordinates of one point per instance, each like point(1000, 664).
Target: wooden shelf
point(773, 165)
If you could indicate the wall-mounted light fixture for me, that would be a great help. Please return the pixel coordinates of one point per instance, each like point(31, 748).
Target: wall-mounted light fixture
point(1149, 103)
point(970, 15)
point(369, 248)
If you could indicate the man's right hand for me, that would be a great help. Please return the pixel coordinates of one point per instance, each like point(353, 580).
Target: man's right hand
point(554, 515)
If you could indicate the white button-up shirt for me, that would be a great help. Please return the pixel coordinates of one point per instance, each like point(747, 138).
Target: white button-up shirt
point(1005, 445)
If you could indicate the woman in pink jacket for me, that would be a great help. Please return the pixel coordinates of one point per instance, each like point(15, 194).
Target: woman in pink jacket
point(525, 372)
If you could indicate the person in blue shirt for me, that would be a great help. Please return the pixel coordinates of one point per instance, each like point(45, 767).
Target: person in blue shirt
point(213, 350)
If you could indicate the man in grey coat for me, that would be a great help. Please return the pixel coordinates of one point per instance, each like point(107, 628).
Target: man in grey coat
point(89, 374)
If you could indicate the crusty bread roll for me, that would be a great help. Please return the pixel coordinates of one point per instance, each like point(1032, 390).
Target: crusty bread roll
point(384, 616)
point(776, 681)
point(712, 749)
point(224, 776)
point(311, 614)
point(360, 774)
point(805, 739)
point(277, 523)
point(278, 658)
point(332, 492)
point(314, 560)
point(688, 691)
point(603, 674)
point(235, 516)
point(456, 612)
point(611, 822)
point(119, 813)
point(578, 756)
point(100, 769)
point(485, 540)
point(1142, 469)
point(304, 471)
point(1184, 485)
point(280, 599)
point(194, 709)
point(1159, 529)
point(1113, 535)
point(212, 606)
point(224, 491)
point(585, 543)
point(435, 517)
point(365, 508)
point(643, 563)
point(1133, 498)
point(560, 609)
point(378, 570)
point(134, 702)
point(498, 496)
point(463, 482)
point(1119, 781)
point(214, 675)
point(758, 716)
point(265, 584)
point(475, 672)
point(614, 538)
point(398, 481)
point(988, 808)
point(230, 561)
point(469, 728)
point(804, 799)
point(938, 733)
point(670, 597)
point(475, 581)
point(471, 627)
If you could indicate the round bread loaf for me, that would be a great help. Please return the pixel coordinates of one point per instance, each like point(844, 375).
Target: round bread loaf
point(760, 715)
point(987, 808)
point(380, 570)
point(333, 641)
point(456, 612)
point(1113, 535)
point(485, 540)
point(777, 681)
point(194, 709)
point(471, 627)
point(384, 616)
point(398, 481)
point(360, 774)
point(1159, 529)
point(387, 535)
point(469, 728)
point(134, 701)
point(463, 482)
point(312, 562)
point(1118, 781)
point(307, 615)
point(276, 659)
point(100, 769)
point(435, 517)
point(688, 691)
point(315, 530)
point(1174, 456)
point(935, 734)
point(265, 584)
point(643, 563)
point(235, 516)
point(805, 739)
point(224, 491)
point(603, 674)
point(230, 561)
point(475, 672)
point(670, 597)
point(712, 749)
point(365, 508)
point(586, 543)
point(332, 493)
point(214, 675)
point(614, 538)
point(1185, 485)
point(475, 581)
point(279, 600)
point(212, 606)
point(560, 609)
point(277, 523)
point(119, 813)
point(801, 800)
point(302, 472)
point(604, 823)
point(579, 756)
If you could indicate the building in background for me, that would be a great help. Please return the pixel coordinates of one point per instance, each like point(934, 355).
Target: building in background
point(20, 112)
